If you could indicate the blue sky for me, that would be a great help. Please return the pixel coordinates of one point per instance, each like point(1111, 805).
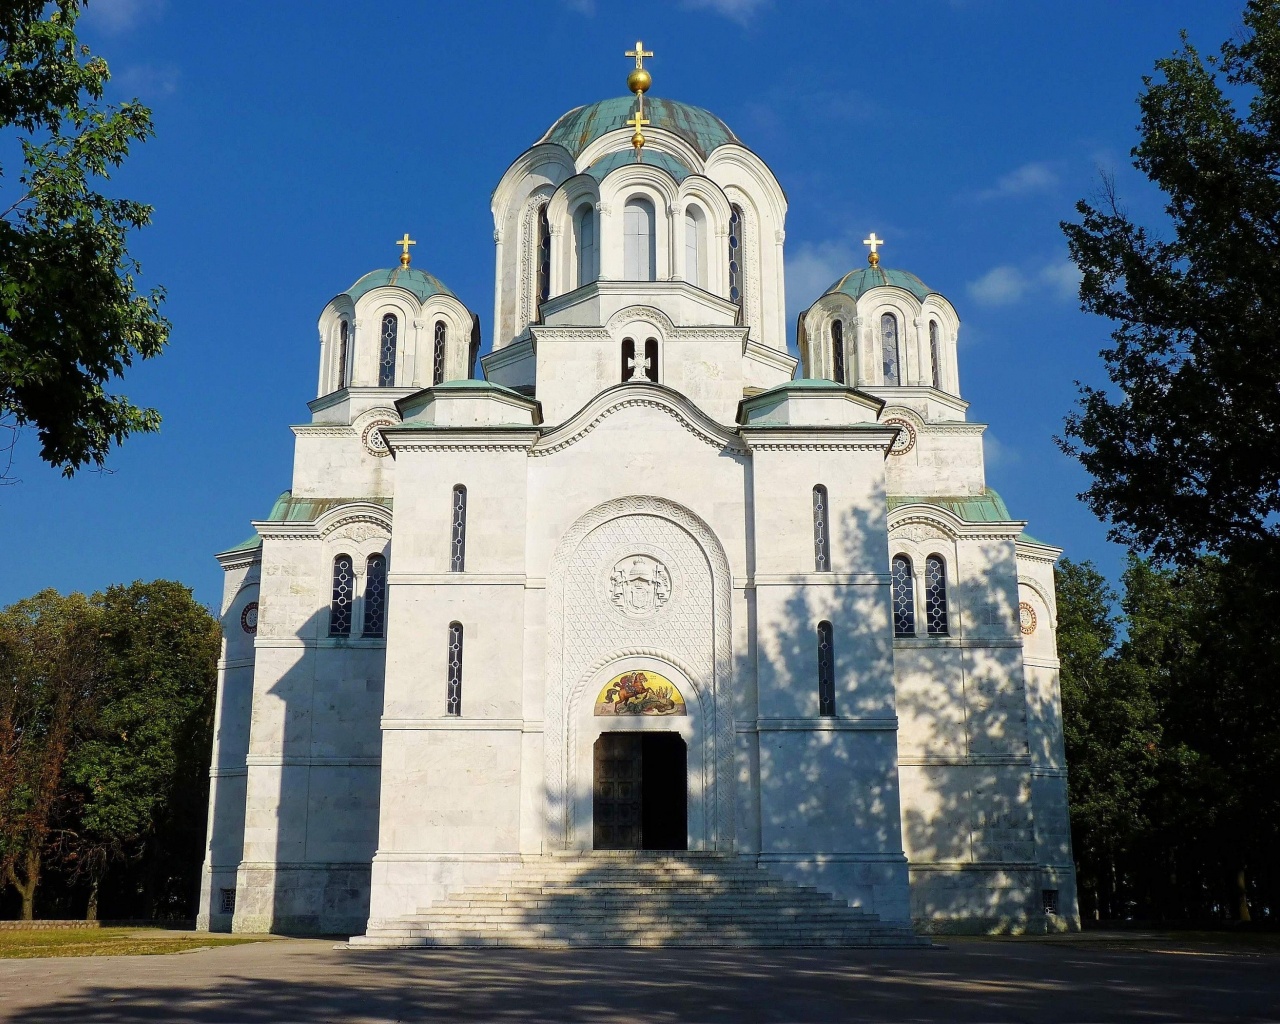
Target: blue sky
point(296, 141)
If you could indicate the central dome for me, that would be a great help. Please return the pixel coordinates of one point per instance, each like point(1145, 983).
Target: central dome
point(576, 130)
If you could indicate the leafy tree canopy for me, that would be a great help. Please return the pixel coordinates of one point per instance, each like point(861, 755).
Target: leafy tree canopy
point(71, 319)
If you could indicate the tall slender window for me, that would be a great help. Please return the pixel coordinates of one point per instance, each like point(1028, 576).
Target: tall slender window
point(902, 590)
point(935, 596)
point(694, 232)
point(343, 594)
point(438, 352)
point(544, 258)
point(935, 354)
point(889, 349)
point(639, 244)
point(651, 359)
point(453, 700)
point(631, 370)
point(826, 671)
point(342, 354)
point(737, 293)
point(375, 596)
point(458, 530)
point(387, 353)
point(584, 226)
point(837, 350)
point(821, 532)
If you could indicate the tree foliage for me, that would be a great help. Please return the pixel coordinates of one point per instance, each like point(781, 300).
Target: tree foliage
point(71, 318)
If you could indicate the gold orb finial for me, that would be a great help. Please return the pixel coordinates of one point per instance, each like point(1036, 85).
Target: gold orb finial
point(873, 257)
point(404, 243)
point(639, 80)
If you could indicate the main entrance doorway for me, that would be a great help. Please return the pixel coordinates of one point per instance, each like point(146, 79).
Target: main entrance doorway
point(640, 791)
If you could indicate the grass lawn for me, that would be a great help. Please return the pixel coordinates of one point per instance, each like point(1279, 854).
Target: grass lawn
point(110, 942)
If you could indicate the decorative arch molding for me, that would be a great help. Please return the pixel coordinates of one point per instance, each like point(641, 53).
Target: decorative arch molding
point(1050, 605)
point(658, 140)
point(357, 512)
point(652, 314)
point(710, 684)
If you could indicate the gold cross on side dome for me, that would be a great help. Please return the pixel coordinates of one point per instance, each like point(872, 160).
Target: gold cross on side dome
point(638, 122)
point(639, 53)
point(873, 257)
point(404, 243)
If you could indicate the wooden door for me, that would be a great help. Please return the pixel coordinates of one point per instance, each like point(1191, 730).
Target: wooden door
point(618, 792)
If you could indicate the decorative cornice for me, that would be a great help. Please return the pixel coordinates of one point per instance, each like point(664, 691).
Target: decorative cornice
point(411, 438)
point(860, 437)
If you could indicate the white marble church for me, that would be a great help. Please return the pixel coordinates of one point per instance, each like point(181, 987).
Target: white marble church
point(638, 581)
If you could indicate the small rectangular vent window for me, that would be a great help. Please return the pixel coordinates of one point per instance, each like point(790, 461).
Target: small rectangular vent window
point(227, 900)
point(1050, 900)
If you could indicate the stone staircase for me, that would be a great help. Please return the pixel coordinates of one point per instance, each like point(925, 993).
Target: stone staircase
point(630, 898)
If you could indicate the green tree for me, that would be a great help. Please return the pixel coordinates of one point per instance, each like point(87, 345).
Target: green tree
point(71, 319)
point(49, 662)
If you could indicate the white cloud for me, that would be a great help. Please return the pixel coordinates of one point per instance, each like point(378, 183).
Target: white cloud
point(1007, 285)
point(741, 11)
point(1026, 180)
point(811, 268)
point(996, 453)
point(1062, 279)
point(121, 15)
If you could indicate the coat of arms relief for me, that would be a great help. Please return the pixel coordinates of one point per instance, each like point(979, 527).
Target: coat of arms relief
point(639, 585)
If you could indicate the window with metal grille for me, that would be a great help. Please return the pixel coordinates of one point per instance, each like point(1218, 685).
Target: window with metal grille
point(1049, 899)
point(737, 293)
point(458, 534)
point(375, 596)
point(387, 351)
point(453, 701)
point(342, 355)
point(902, 589)
point(343, 594)
point(935, 596)
point(935, 354)
point(821, 534)
point(544, 258)
point(826, 671)
point(837, 350)
point(438, 353)
point(889, 349)
point(227, 901)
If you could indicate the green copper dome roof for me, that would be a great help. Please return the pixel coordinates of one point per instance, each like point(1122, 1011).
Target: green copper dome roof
point(856, 283)
point(625, 157)
point(576, 130)
point(419, 282)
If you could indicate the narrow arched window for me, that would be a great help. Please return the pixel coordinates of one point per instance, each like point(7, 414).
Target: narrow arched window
point(826, 670)
point(343, 345)
point(458, 530)
point(438, 351)
point(387, 351)
point(837, 350)
point(902, 589)
point(453, 699)
point(935, 596)
point(737, 293)
point(544, 258)
point(821, 530)
point(630, 369)
point(695, 229)
point(343, 596)
point(889, 349)
point(935, 354)
point(651, 359)
point(639, 243)
point(584, 229)
point(375, 596)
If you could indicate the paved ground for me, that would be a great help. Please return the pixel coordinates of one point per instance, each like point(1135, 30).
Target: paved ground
point(1144, 979)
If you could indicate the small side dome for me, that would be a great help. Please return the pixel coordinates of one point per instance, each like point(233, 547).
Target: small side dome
point(576, 130)
point(422, 284)
point(857, 283)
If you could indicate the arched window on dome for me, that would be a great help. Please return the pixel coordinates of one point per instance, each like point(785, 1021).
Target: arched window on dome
point(889, 350)
point(837, 351)
point(387, 351)
point(628, 359)
point(375, 597)
point(935, 596)
point(651, 359)
point(544, 258)
point(458, 530)
point(453, 671)
point(737, 290)
point(584, 234)
point(343, 345)
point(935, 353)
point(695, 244)
point(639, 241)
point(902, 589)
point(343, 596)
point(826, 670)
point(438, 352)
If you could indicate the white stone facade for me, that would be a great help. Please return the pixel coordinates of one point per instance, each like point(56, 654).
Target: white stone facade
point(435, 718)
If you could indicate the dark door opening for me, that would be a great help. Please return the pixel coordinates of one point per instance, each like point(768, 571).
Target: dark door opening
point(640, 794)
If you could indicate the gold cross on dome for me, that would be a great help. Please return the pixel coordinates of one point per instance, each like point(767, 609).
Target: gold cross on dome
point(639, 53)
point(875, 243)
point(638, 122)
point(404, 243)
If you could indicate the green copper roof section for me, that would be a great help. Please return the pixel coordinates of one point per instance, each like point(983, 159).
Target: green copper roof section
point(576, 130)
point(289, 509)
point(858, 282)
point(419, 282)
point(987, 507)
point(248, 544)
point(603, 167)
